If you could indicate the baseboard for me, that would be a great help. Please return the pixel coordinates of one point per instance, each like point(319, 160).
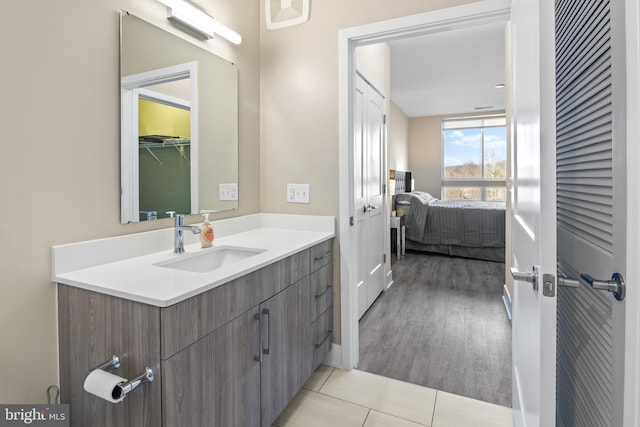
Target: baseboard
point(334, 358)
point(389, 280)
point(506, 298)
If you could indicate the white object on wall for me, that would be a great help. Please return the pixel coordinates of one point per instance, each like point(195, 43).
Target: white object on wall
point(229, 191)
point(298, 193)
point(286, 13)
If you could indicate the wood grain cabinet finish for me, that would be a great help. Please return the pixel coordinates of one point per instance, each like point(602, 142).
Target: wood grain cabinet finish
point(322, 330)
point(92, 328)
point(321, 254)
point(216, 381)
point(233, 356)
point(287, 352)
point(321, 282)
point(321, 290)
point(188, 321)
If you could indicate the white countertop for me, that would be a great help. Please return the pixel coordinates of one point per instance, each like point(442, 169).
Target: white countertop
point(136, 278)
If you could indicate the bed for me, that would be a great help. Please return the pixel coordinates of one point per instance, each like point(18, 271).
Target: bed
point(465, 228)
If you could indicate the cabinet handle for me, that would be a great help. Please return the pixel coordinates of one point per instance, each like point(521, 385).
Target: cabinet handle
point(322, 342)
point(258, 357)
point(318, 258)
point(265, 315)
point(320, 295)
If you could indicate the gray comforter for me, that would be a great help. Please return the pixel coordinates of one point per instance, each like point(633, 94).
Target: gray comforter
point(468, 223)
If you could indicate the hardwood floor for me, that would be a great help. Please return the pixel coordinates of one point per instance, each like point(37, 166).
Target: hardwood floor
point(442, 325)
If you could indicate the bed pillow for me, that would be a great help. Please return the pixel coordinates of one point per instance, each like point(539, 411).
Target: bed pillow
point(425, 197)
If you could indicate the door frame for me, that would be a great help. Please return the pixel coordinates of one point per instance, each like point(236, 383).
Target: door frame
point(478, 13)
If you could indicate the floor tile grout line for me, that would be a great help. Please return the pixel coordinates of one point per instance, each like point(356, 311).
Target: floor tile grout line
point(326, 380)
point(341, 400)
point(435, 403)
point(372, 409)
point(365, 418)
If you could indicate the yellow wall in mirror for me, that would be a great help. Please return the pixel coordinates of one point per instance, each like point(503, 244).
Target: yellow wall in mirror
point(159, 119)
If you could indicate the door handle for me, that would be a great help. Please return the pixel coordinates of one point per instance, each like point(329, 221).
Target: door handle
point(616, 285)
point(531, 277)
point(564, 281)
point(367, 208)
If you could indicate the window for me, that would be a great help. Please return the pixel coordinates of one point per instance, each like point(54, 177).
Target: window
point(474, 158)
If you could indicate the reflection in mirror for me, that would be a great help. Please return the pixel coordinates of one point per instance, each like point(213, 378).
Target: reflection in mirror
point(164, 129)
point(179, 145)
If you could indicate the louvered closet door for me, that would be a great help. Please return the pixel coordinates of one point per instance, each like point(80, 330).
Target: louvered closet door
point(591, 216)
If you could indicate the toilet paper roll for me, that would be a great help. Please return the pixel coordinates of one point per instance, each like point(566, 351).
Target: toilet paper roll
point(102, 384)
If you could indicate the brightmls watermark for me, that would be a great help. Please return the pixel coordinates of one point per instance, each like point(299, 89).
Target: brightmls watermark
point(34, 415)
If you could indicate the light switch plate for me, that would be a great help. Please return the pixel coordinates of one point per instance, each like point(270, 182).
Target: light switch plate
point(298, 193)
point(229, 191)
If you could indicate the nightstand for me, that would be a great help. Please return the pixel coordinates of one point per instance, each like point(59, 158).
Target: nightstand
point(398, 224)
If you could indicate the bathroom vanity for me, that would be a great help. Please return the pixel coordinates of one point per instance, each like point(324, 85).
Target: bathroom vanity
point(228, 347)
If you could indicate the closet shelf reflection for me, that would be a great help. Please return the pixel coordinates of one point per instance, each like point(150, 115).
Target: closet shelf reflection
point(151, 142)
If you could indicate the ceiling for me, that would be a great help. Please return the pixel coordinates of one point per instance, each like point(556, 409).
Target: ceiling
point(450, 72)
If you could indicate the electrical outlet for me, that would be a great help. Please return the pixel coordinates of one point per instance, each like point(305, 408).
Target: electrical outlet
point(298, 193)
point(228, 191)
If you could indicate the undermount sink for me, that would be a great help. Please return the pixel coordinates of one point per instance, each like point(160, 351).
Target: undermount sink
point(210, 259)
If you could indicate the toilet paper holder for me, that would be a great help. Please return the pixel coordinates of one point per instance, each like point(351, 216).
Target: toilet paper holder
point(112, 363)
point(122, 389)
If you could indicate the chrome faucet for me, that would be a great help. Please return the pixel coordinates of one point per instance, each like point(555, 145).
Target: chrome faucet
point(178, 242)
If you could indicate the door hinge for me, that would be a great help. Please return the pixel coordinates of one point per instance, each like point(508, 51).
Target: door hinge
point(384, 258)
point(384, 189)
point(351, 221)
point(384, 119)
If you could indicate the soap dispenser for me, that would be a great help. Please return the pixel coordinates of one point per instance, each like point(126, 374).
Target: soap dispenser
point(206, 232)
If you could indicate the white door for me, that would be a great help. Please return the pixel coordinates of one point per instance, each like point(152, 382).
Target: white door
point(369, 143)
point(533, 213)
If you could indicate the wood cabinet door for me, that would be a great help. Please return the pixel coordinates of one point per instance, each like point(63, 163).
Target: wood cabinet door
point(94, 326)
point(216, 381)
point(287, 350)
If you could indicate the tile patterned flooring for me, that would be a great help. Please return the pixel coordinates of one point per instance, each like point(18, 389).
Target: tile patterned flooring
point(337, 398)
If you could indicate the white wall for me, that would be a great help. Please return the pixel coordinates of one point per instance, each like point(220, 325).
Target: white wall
point(398, 139)
point(425, 153)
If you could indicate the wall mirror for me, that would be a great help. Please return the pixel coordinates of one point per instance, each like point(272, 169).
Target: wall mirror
point(179, 125)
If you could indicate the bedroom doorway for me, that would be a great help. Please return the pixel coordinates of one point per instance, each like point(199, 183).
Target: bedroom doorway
point(453, 18)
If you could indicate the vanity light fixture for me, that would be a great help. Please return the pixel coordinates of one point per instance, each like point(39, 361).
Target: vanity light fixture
point(198, 21)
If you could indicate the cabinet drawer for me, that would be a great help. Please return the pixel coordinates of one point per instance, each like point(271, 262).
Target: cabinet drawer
point(321, 254)
point(322, 336)
point(280, 275)
point(321, 290)
point(188, 321)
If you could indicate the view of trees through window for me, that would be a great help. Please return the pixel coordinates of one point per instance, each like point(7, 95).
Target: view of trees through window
point(475, 153)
